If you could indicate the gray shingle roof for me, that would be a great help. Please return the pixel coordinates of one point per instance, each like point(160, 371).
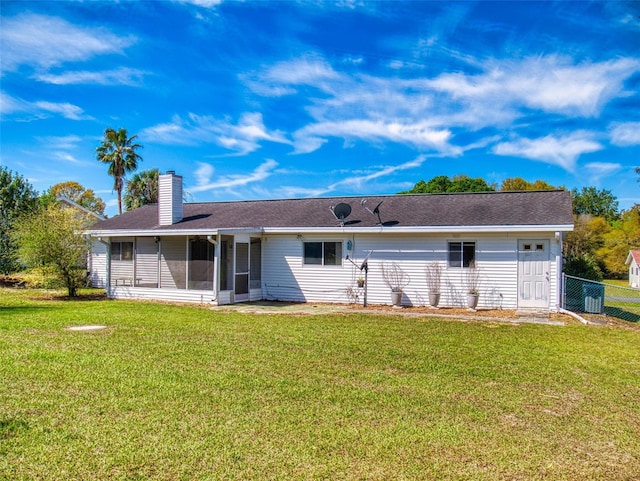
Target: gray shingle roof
point(536, 208)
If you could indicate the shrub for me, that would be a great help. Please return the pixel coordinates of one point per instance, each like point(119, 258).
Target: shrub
point(583, 266)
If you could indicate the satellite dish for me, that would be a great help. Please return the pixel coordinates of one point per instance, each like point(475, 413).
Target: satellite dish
point(341, 211)
point(364, 265)
point(375, 211)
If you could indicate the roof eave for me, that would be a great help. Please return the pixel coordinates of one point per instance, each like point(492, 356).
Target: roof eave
point(331, 230)
point(168, 232)
point(421, 229)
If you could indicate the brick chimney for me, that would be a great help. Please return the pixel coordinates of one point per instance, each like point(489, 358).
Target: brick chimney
point(169, 198)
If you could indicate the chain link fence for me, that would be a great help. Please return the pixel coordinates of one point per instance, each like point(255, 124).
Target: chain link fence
point(592, 298)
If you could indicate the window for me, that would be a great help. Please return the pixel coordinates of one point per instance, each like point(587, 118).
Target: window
point(323, 253)
point(122, 251)
point(461, 254)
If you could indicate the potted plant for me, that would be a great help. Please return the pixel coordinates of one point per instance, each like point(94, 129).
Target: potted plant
point(433, 273)
point(360, 281)
point(473, 283)
point(396, 280)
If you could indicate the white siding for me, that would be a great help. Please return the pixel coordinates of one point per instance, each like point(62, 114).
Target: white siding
point(634, 275)
point(176, 295)
point(555, 272)
point(98, 264)
point(169, 199)
point(286, 278)
point(146, 262)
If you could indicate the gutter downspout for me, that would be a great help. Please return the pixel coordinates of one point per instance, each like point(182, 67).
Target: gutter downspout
point(573, 314)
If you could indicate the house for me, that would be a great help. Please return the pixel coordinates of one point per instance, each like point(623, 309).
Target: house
point(67, 202)
point(90, 217)
point(633, 261)
point(312, 249)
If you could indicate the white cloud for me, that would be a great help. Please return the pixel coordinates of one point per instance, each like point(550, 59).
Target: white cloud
point(66, 157)
point(67, 142)
point(43, 41)
point(242, 138)
point(261, 172)
point(201, 3)
point(421, 136)
point(120, 76)
point(294, 191)
point(561, 151)
point(203, 173)
point(354, 182)
point(40, 109)
point(423, 112)
point(280, 79)
point(598, 170)
point(625, 133)
point(548, 83)
point(67, 110)
point(357, 182)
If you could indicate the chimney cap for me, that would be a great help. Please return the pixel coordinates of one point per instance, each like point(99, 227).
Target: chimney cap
point(171, 172)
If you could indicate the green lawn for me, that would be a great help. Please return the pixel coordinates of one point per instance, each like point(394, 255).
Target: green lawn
point(629, 311)
point(179, 393)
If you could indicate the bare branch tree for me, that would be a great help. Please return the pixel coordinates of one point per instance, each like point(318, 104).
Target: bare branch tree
point(394, 277)
point(433, 272)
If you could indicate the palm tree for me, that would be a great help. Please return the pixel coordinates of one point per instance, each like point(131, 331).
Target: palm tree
point(119, 151)
point(142, 189)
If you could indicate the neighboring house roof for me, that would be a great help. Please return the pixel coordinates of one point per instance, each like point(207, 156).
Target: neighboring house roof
point(635, 255)
point(411, 212)
point(65, 200)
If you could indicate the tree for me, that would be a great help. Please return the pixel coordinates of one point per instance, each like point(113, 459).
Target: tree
point(53, 237)
point(624, 236)
point(118, 150)
point(517, 184)
point(587, 235)
point(598, 203)
point(17, 197)
point(442, 184)
point(464, 183)
point(81, 196)
point(142, 189)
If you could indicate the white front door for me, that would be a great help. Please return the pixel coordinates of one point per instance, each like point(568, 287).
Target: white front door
point(533, 273)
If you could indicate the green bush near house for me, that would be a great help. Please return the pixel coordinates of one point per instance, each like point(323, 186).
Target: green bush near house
point(182, 392)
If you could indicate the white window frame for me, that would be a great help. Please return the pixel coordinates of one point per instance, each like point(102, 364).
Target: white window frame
point(462, 256)
point(323, 256)
point(119, 256)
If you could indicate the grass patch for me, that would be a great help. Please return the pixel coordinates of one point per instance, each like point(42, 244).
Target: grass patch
point(178, 392)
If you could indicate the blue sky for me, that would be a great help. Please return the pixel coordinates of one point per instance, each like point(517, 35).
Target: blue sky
point(256, 100)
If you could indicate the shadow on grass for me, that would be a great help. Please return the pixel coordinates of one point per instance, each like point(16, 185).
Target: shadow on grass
point(23, 310)
point(94, 296)
point(621, 314)
point(11, 427)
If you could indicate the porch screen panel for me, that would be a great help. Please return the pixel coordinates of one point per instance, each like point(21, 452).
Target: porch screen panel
point(201, 264)
point(122, 269)
point(146, 262)
point(255, 259)
point(173, 263)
